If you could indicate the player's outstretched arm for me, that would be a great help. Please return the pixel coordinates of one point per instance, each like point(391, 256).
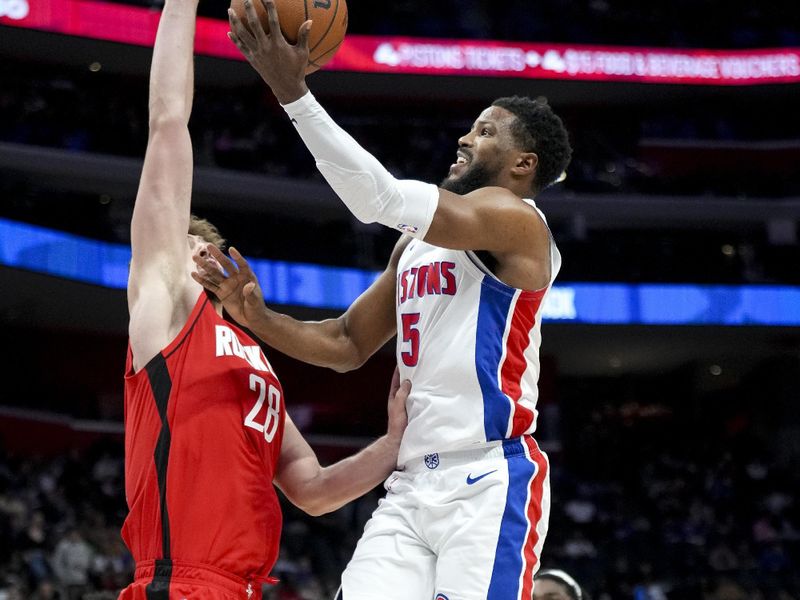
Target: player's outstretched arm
point(343, 344)
point(318, 490)
point(492, 219)
point(158, 272)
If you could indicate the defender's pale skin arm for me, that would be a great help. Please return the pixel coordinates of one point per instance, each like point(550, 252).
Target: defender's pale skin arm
point(160, 292)
point(342, 344)
point(318, 490)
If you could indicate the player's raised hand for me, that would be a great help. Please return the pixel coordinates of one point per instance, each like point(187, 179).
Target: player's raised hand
point(281, 65)
point(232, 282)
point(398, 417)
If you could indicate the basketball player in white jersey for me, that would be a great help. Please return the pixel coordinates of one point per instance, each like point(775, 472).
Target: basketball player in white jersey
point(465, 515)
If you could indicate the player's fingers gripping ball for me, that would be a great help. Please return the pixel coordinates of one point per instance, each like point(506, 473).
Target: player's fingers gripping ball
point(327, 32)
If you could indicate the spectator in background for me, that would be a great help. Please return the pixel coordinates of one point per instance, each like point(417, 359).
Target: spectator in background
point(71, 562)
point(33, 545)
point(555, 584)
point(47, 591)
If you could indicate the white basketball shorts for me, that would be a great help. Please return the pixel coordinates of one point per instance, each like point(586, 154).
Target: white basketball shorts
point(467, 525)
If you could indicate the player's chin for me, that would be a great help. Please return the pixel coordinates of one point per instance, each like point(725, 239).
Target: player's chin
point(449, 179)
point(451, 183)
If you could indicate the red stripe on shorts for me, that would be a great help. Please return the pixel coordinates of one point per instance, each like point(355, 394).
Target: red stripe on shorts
point(534, 516)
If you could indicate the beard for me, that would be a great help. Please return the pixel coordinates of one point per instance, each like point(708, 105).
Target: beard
point(475, 177)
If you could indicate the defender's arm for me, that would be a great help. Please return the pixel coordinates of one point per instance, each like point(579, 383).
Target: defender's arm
point(318, 490)
point(343, 344)
point(158, 280)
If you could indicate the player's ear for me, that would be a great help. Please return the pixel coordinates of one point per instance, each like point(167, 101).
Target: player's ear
point(525, 164)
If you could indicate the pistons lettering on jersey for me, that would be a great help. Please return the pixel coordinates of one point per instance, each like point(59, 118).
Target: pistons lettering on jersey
point(436, 278)
point(229, 345)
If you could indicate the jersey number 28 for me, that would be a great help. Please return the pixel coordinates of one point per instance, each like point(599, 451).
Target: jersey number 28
point(270, 426)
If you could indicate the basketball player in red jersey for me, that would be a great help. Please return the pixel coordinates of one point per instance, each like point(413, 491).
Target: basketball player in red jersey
point(206, 432)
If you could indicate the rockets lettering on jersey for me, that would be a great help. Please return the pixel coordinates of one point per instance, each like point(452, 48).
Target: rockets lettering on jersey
point(267, 389)
point(229, 345)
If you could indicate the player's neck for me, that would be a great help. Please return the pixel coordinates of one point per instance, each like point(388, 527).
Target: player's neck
point(518, 187)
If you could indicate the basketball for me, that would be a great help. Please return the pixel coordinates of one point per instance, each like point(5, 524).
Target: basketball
point(327, 31)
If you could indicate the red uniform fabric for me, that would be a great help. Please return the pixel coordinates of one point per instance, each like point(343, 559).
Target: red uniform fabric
point(204, 423)
point(188, 582)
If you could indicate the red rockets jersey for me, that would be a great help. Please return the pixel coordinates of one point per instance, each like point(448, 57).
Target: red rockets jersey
point(203, 429)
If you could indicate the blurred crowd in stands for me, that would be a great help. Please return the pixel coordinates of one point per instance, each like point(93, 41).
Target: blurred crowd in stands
point(652, 500)
point(732, 148)
point(679, 495)
point(59, 526)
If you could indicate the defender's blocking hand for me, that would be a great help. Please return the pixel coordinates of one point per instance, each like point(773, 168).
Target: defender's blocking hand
point(398, 417)
point(232, 282)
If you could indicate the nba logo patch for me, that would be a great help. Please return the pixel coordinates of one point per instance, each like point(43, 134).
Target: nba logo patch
point(441, 597)
point(432, 461)
point(407, 228)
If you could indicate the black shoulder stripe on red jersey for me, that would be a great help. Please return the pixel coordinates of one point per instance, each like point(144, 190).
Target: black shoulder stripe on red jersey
point(161, 387)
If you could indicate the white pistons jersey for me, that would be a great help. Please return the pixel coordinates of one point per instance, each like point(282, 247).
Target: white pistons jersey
point(469, 343)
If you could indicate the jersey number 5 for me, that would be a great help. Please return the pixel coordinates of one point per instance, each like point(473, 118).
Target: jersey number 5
point(270, 426)
point(411, 335)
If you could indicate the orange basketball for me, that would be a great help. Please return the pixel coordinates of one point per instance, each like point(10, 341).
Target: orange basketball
point(327, 31)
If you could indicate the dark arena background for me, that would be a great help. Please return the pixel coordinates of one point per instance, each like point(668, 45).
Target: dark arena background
point(670, 377)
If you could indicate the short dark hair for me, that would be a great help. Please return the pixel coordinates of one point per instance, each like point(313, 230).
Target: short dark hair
point(538, 129)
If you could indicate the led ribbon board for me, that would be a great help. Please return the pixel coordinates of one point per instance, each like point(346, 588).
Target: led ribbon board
point(69, 256)
point(372, 54)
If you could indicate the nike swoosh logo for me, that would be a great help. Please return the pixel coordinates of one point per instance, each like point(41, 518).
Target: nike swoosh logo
point(471, 480)
point(293, 120)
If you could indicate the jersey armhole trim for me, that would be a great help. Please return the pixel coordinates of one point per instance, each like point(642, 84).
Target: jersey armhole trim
point(169, 349)
point(555, 255)
point(475, 265)
point(188, 327)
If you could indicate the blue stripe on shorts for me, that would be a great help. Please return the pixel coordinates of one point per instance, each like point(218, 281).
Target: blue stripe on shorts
point(514, 526)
